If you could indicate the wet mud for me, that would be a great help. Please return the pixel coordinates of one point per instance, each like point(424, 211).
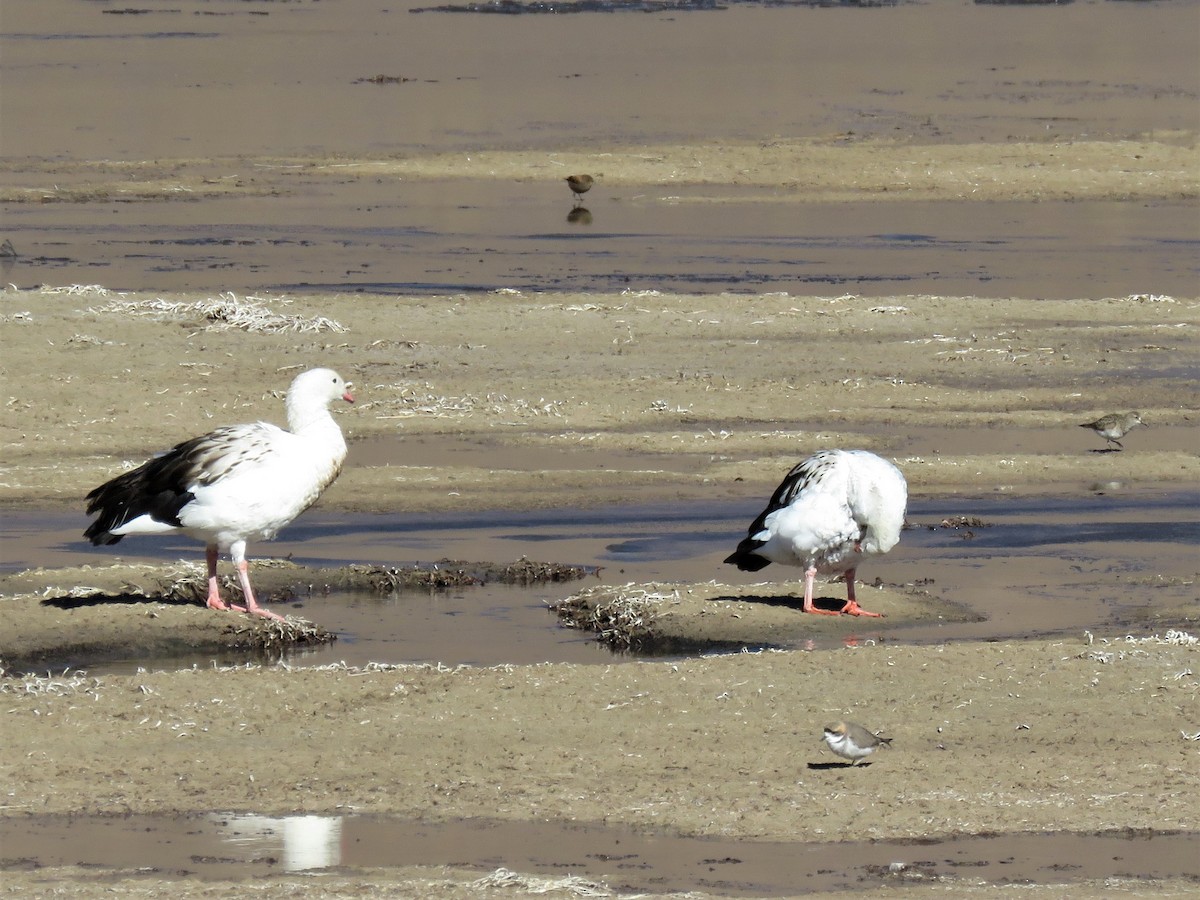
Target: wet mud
point(156, 614)
point(223, 846)
point(680, 619)
point(995, 160)
point(694, 246)
point(635, 582)
point(752, 718)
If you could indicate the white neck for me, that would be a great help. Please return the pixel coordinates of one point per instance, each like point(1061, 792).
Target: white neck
point(305, 416)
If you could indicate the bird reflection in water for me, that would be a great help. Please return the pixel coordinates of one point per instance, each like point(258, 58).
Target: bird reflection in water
point(579, 215)
point(306, 842)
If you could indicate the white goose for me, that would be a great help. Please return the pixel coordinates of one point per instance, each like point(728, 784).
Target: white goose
point(231, 485)
point(831, 511)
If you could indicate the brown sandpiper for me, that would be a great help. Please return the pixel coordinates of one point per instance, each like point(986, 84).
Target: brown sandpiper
point(1114, 426)
point(580, 184)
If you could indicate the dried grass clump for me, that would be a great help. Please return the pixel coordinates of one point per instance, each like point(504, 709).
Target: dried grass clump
point(225, 312)
point(957, 522)
point(181, 583)
point(1142, 649)
point(186, 584)
point(532, 884)
point(77, 290)
point(42, 685)
point(392, 579)
point(1173, 637)
point(273, 637)
point(426, 404)
point(525, 571)
point(619, 616)
point(449, 573)
point(1150, 298)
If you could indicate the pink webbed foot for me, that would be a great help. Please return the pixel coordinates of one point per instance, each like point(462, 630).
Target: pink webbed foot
point(215, 602)
point(257, 610)
point(816, 611)
point(853, 609)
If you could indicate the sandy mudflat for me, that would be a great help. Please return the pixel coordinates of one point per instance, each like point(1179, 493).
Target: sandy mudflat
point(548, 400)
point(691, 393)
point(519, 401)
point(662, 397)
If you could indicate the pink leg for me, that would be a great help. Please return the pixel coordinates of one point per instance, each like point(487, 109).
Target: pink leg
point(252, 607)
point(852, 608)
point(214, 595)
point(810, 575)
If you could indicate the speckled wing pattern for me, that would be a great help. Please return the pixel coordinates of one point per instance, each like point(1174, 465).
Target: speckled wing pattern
point(163, 486)
point(803, 476)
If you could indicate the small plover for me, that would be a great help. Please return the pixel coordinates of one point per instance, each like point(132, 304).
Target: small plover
point(852, 741)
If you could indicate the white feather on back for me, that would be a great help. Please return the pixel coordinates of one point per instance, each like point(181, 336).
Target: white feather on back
point(237, 483)
point(835, 500)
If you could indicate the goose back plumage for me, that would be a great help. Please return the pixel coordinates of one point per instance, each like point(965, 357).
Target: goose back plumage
point(830, 510)
point(236, 483)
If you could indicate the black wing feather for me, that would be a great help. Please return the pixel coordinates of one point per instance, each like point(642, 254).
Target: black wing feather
point(805, 473)
point(160, 488)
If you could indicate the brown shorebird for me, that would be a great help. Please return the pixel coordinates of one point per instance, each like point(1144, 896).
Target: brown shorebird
point(853, 742)
point(580, 184)
point(1114, 426)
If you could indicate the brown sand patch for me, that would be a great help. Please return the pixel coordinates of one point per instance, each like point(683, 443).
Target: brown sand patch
point(733, 735)
point(676, 395)
point(842, 169)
